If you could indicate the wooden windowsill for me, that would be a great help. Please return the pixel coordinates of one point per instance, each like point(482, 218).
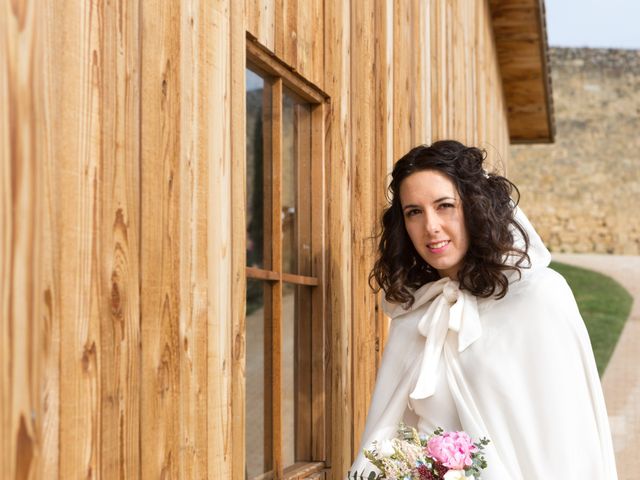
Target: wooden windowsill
point(301, 470)
point(297, 471)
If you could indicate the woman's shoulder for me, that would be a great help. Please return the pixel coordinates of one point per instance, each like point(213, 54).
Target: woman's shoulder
point(546, 299)
point(542, 294)
point(544, 285)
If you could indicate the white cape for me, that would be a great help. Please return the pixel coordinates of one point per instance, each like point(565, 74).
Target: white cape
point(519, 371)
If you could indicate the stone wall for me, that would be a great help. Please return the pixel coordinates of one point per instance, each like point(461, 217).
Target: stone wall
point(583, 192)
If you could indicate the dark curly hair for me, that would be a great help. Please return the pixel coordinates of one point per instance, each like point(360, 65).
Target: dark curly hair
point(489, 216)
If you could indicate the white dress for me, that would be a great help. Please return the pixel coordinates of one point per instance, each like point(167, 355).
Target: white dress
point(519, 370)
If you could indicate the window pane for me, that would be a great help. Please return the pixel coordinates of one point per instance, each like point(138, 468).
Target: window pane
point(296, 373)
point(258, 198)
point(296, 186)
point(258, 405)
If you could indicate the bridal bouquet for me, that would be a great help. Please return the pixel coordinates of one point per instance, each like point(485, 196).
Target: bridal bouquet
point(440, 456)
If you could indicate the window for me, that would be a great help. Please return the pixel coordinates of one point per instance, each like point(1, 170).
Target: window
point(285, 313)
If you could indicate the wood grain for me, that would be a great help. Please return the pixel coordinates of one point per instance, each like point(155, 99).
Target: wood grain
point(403, 80)
point(319, 345)
point(362, 209)
point(420, 34)
point(161, 178)
point(237, 66)
point(118, 227)
point(195, 128)
point(22, 153)
point(384, 137)
point(220, 446)
point(51, 316)
point(77, 95)
point(273, 377)
point(260, 19)
point(337, 85)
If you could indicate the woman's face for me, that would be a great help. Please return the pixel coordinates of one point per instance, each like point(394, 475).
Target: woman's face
point(434, 220)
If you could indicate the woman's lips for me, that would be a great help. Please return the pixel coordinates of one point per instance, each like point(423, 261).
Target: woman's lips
point(440, 246)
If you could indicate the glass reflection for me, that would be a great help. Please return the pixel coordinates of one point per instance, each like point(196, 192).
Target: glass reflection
point(296, 191)
point(257, 445)
point(296, 373)
point(255, 169)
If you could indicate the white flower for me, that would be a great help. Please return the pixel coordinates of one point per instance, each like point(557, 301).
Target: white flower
point(385, 448)
point(457, 475)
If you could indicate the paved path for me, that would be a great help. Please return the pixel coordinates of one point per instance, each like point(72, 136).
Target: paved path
point(621, 380)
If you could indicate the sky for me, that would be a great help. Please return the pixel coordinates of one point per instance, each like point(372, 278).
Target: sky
point(593, 23)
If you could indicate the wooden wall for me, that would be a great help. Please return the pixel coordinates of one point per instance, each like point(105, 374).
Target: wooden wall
point(122, 242)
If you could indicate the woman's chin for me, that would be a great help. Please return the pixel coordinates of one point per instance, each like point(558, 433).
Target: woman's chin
point(447, 269)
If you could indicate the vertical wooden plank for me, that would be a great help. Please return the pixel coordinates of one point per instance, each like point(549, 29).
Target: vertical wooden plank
point(200, 272)
point(319, 413)
point(260, 18)
point(187, 199)
point(307, 17)
point(51, 315)
point(160, 240)
point(76, 104)
point(420, 32)
point(237, 63)
point(282, 29)
point(222, 363)
point(451, 38)
point(287, 30)
point(480, 66)
point(304, 38)
point(470, 61)
point(279, 28)
point(362, 212)
point(492, 115)
point(437, 72)
point(337, 83)
point(194, 104)
point(462, 84)
point(403, 80)
point(316, 21)
point(275, 320)
point(448, 83)
point(448, 78)
point(21, 154)
point(7, 447)
point(254, 13)
point(458, 69)
point(383, 136)
point(119, 348)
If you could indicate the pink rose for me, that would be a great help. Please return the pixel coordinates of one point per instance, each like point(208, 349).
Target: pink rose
point(452, 449)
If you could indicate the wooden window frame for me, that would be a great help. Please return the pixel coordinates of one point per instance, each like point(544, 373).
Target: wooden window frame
point(266, 64)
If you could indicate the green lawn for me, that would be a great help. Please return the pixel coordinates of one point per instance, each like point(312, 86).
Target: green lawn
point(604, 305)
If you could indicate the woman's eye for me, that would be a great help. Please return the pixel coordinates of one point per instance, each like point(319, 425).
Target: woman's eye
point(447, 205)
point(411, 213)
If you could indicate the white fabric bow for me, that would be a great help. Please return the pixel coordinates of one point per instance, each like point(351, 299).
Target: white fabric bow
point(451, 309)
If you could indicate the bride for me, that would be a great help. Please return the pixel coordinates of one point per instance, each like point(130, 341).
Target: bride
point(484, 337)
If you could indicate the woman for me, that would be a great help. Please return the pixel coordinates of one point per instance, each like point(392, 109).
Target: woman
point(484, 337)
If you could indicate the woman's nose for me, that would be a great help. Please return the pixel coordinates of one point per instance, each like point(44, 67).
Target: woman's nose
point(432, 224)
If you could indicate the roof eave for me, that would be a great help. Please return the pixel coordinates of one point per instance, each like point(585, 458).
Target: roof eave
point(519, 28)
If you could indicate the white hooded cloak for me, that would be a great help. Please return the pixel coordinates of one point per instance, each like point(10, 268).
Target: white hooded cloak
point(518, 370)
